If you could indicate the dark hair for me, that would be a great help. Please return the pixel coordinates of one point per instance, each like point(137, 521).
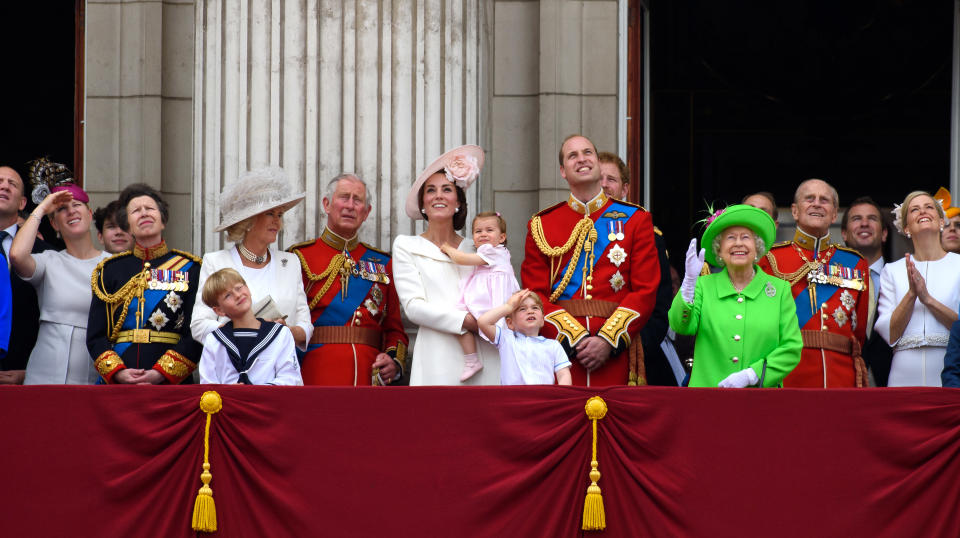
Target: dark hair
point(460, 217)
point(769, 196)
point(134, 191)
point(107, 213)
point(613, 158)
point(863, 200)
point(567, 139)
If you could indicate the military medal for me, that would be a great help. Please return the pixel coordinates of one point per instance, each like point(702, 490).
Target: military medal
point(612, 236)
point(620, 235)
point(617, 255)
point(617, 282)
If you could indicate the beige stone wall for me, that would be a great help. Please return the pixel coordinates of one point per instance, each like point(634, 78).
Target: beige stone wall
point(543, 69)
point(139, 94)
point(554, 74)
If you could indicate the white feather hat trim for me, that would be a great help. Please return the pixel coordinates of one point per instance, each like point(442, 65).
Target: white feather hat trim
point(253, 193)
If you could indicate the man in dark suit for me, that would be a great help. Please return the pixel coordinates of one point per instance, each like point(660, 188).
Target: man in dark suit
point(863, 228)
point(26, 312)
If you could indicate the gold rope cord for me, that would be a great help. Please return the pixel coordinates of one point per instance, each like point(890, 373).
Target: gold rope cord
point(583, 234)
point(793, 277)
point(133, 288)
point(204, 509)
point(594, 517)
point(330, 273)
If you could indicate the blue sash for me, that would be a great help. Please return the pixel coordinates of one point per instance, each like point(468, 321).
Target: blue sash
point(824, 291)
point(151, 298)
point(339, 312)
point(601, 225)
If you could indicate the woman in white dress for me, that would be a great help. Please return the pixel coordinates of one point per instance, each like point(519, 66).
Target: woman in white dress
point(61, 278)
point(428, 282)
point(919, 295)
point(251, 210)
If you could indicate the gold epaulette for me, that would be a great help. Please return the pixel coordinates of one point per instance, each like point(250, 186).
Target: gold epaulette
point(781, 244)
point(848, 249)
point(185, 254)
point(378, 251)
point(549, 209)
point(301, 244)
point(631, 204)
point(111, 258)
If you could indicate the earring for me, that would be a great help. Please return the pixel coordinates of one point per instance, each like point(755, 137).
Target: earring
point(908, 235)
point(457, 210)
point(424, 211)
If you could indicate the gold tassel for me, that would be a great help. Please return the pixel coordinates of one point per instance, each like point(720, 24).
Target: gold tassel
point(594, 518)
point(204, 510)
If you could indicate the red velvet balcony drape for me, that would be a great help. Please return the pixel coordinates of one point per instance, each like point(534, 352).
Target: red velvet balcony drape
point(305, 461)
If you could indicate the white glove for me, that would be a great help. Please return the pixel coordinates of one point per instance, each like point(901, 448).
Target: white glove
point(693, 266)
point(739, 380)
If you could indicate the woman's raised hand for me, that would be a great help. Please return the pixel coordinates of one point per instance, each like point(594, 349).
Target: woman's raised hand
point(918, 285)
point(692, 268)
point(53, 200)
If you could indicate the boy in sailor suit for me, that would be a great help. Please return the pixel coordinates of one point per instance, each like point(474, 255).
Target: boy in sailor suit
point(246, 350)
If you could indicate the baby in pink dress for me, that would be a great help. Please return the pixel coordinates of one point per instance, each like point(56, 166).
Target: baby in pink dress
point(489, 285)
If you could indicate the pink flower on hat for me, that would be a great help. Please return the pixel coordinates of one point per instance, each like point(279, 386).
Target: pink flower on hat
point(716, 214)
point(462, 170)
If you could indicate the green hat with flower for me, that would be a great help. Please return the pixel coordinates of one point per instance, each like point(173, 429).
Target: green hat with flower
point(757, 220)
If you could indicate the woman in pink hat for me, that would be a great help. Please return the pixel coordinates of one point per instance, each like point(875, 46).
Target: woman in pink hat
point(428, 281)
point(60, 277)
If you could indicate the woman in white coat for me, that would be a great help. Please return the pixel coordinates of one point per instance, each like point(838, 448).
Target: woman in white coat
point(919, 296)
point(428, 282)
point(252, 211)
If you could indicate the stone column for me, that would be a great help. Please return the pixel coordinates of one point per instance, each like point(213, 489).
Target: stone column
point(320, 87)
point(139, 78)
point(554, 74)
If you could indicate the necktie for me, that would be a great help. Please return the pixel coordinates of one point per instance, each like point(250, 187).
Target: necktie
point(3, 250)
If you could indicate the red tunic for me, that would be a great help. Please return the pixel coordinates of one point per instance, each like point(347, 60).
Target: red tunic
point(837, 305)
point(622, 285)
point(370, 303)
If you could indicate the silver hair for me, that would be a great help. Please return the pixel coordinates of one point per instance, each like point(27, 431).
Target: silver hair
point(833, 191)
point(332, 186)
point(758, 242)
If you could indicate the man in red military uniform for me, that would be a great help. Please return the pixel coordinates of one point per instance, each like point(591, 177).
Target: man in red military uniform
point(593, 261)
point(358, 338)
point(831, 287)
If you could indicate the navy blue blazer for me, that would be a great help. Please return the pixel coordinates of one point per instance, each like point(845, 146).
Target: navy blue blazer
point(951, 361)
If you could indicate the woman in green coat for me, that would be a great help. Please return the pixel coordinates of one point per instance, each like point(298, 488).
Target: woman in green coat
point(745, 320)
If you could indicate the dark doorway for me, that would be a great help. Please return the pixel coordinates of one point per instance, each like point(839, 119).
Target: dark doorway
point(39, 92)
point(761, 96)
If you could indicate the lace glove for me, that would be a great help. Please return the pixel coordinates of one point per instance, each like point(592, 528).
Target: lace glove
point(693, 266)
point(739, 380)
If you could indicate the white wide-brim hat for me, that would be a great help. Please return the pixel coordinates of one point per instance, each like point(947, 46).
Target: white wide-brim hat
point(462, 165)
point(253, 193)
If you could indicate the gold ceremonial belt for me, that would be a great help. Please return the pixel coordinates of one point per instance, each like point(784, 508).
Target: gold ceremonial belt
point(582, 308)
point(144, 336)
point(347, 335)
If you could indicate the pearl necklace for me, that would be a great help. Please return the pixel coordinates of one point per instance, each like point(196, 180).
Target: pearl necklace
point(245, 252)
